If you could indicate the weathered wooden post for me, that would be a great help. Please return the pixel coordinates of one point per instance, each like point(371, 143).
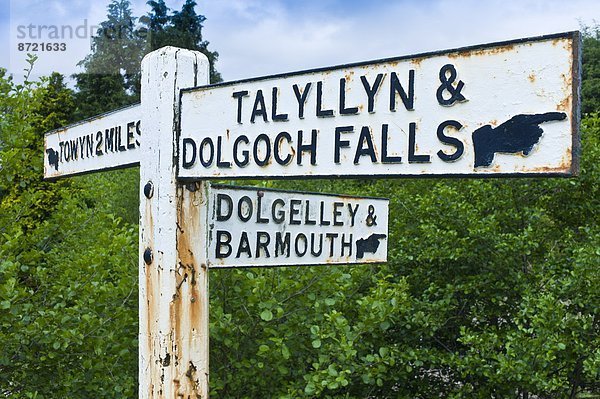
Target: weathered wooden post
point(173, 276)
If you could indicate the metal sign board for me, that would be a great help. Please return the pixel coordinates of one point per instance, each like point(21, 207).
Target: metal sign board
point(263, 227)
point(106, 141)
point(498, 109)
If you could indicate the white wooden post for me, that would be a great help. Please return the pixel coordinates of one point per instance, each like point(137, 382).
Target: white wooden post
point(173, 276)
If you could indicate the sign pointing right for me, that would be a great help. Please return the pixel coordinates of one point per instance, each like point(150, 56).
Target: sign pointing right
point(498, 109)
point(266, 227)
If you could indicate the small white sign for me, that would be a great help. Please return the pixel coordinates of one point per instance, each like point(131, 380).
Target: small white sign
point(263, 227)
point(106, 141)
point(502, 108)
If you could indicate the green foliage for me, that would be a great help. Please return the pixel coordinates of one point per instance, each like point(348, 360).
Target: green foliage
point(491, 290)
point(590, 87)
point(68, 269)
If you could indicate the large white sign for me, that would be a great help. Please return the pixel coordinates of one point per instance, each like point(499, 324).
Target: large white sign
point(106, 141)
point(260, 227)
point(504, 108)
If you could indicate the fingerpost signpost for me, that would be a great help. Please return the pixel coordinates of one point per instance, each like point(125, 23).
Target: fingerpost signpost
point(502, 109)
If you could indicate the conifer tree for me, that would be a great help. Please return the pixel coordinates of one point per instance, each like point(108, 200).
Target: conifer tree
point(112, 70)
point(156, 21)
point(180, 29)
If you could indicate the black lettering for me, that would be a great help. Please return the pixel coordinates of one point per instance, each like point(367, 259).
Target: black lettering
point(138, 132)
point(282, 246)
point(244, 246)
point(453, 141)
point(396, 88)
point(339, 143)
point(67, 150)
point(118, 139)
point(343, 109)
point(109, 137)
point(262, 241)
point(220, 162)
point(331, 237)
point(300, 237)
point(337, 213)
point(371, 91)
point(412, 158)
point(385, 158)
point(259, 218)
point(322, 113)
point(365, 138)
point(61, 145)
point(219, 253)
point(278, 215)
point(347, 244)
point(259, 108)
point(301, 97)
point(246, 154)
point(352, 213)
point(221, 199)
point(207, 142)
point(99, 138)
point(74, 149)
point(81, 144)
point(295, 210)
point(130, 137)
point(121, 146)
point(62, 150)
point(322, 221)
point(188, 142)
point(245, 200)
point(267, 158)
point(239, 95)
point(313, 251)
point(277, 144)
point(89, 145)
point(311, 147)
point(274, 116)
point(307, 219)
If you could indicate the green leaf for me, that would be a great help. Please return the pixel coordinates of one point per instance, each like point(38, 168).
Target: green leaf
point(266, 315)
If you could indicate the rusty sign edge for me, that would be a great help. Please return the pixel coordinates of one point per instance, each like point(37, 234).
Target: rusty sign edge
point(282, 190)
point(574, 35)
point(577, 78)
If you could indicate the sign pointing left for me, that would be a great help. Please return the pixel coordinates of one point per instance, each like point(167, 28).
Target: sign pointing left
point(107, 141)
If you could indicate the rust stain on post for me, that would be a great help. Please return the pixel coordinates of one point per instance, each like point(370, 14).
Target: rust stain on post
point(188, 307)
